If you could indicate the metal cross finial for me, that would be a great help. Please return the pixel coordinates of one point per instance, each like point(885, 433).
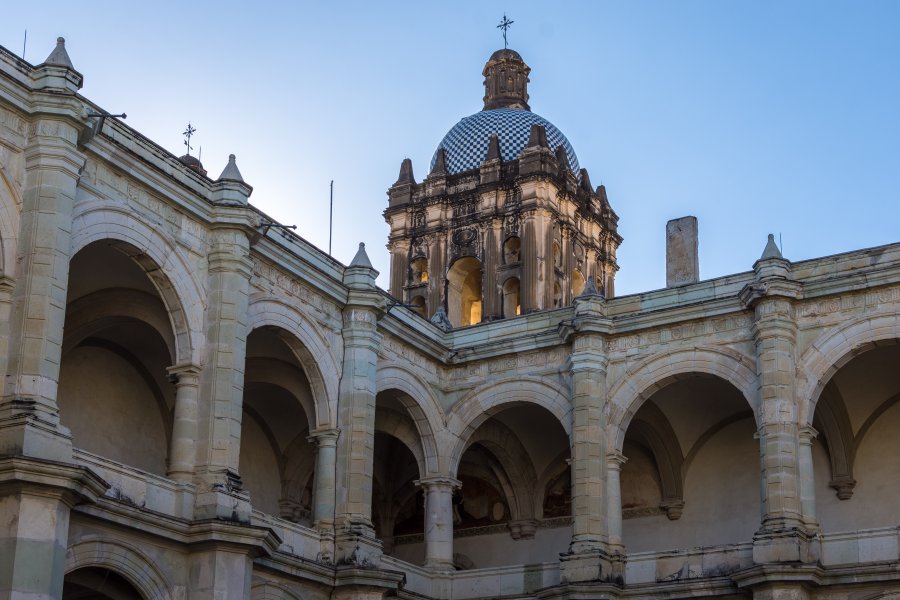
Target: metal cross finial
point(187, 135)
point(504, 25)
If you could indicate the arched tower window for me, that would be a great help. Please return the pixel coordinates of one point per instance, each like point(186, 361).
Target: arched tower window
point(511, 306)
point(464, 292)
point(418, 304)
point(419, 271)
point(577, 283)
point(511, 251)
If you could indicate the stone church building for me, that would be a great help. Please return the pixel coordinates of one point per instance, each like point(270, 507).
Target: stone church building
point(198, 404)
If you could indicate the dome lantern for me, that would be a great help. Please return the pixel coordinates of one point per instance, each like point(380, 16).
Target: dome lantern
point(506, 81)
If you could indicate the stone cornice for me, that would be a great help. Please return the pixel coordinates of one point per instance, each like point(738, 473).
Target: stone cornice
point(74, 483)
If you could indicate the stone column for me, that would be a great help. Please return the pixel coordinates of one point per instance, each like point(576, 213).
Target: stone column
point(323, 496)
point(439, 521)
point(182, 454)
point(355, 540)
point(492, 295)
point(219, 493)
point(614, 462)
point(529, 285)
point(807, 478)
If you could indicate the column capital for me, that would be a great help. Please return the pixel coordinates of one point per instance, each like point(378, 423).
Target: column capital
point(324, 437)
point(184, 371)
point(438, 482)
point(615, 460)
point(807, 434)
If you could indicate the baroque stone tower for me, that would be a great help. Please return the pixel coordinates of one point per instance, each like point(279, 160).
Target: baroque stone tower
point(506, 223)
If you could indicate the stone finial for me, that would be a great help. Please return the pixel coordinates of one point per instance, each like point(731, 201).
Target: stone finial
point(440, 164)
point(441, 320)
point(537, 138)
point(361, 259)
point(590, 289)
point(506, 81)
point(231, 171)
point(771, 250)
point(59, 57)
point(493, 152)
point(563, 159)
point(682, 258)
point(406, 173)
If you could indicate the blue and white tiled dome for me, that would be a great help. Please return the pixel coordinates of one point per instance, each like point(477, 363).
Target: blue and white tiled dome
point(466, 144)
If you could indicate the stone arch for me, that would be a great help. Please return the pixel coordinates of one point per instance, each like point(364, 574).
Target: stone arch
point(654, 431)
point(309, 346)
point(163, 263)
point(483, 402)
point(835, 348)
point(394, 424)
point(122, 559)
point(89, 314)
point(656, 372)
point(421, 405)
point(507, 449)
point(268, 590)
point(833, 422)
point(9, 225)
point(283, 375)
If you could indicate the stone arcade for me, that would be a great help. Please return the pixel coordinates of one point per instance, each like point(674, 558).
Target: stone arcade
point(224, 411)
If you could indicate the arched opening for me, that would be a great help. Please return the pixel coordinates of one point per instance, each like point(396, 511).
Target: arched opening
point(464, 292)
point(679, 446)
point(397, 503)
point(511, 305)
point(277, 462)
point(511, 250)
point(94, 583)
point(418, 270)
point(557, 255)
point(114, 393)
point(514, 506)
point(557, 295)
point(577, 283)
point(857, 416)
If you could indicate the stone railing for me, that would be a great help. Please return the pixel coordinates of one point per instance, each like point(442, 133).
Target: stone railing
point(865, 545)
point(692, 563)
point(296, 540)
point(140, 488)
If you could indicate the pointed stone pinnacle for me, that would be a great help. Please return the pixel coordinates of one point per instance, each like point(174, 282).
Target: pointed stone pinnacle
point(562, 158)
point(440, 163)
point(537, 137)
point(231, 171)
point(361, 259)
point(590, 289)
point(406, 173)
point(493, 152)
point(59, 56)
point(771, 250)
point(586, 181)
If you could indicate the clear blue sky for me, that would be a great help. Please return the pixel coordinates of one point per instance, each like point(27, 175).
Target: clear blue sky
point(755, 117)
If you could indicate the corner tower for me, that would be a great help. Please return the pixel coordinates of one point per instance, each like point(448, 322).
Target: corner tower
point(506, 223)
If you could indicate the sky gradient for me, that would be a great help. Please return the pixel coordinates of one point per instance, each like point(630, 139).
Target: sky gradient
point(755, 117)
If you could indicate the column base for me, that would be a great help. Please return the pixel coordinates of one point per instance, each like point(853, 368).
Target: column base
point(793, 544)
point(220, 496)
point(352, 583)
point(596, 565)
point(26, 431)
point(357, 546)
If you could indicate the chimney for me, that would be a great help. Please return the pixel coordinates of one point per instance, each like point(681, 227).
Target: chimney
point(682, 261)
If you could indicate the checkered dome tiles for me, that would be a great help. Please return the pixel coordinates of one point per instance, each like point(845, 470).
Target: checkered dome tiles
point(466, 144)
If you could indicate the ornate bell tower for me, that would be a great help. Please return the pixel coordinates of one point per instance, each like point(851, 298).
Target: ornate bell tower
point(506, 223)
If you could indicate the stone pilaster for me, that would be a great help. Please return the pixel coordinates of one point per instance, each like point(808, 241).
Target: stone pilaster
point(439, 522)
point(590, 556)
point(219, 493)
point(529, 287)
point(355, 541)
point(614, 462)
point(492, 296)
point(29, 419)
point(782, 535)
point(323, 494)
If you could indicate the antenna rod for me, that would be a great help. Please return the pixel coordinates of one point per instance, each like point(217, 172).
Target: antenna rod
point(330, 213)
point(23, 44)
